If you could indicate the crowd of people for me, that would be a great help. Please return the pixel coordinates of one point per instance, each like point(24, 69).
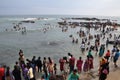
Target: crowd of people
point(50, 69)
point(26, 69)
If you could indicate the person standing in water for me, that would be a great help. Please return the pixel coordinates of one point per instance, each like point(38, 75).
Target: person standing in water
point(71, 63)
point(61, 61)
point(107, 55)
point(30, 73)
point(115, 58)
point(9, 75)
point(55, 68)
point(39, 64)
point(107, 41)
point(79, 64)
point(50, 65)
point(16, 73)
point(101, 51)
point(82, 47)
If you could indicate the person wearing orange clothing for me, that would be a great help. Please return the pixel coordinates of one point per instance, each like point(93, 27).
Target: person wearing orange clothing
point(102, 62)
point(107, 55)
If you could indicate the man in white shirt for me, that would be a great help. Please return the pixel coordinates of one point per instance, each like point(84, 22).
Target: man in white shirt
point(82, 47)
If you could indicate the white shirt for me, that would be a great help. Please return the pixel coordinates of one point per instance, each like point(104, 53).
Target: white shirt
point(30, 73)
point(82, 46)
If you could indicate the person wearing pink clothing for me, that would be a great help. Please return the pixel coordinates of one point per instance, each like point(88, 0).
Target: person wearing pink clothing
point(71, 63)
point(91, 63)
point(79, 64)
point(61, 61)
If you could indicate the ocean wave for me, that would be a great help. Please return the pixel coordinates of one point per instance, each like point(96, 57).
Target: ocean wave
point(12, 19)
point(47, 19)
point(26, 19)
point(33, 19)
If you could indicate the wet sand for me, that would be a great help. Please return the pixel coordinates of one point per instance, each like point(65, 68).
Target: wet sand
point(114, 75)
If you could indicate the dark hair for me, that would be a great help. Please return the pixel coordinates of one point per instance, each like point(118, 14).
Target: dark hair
point(39, 57)
point(90, 50)
point(34, 57)
point(15, 67)
point(80, 58)
point(16, 62)
point(117, 50)
point(44, 58)
point(88, 56)
point(75, 70)
point(65, 58)
point(69, 54)
point(50, 61)
point(21, 51)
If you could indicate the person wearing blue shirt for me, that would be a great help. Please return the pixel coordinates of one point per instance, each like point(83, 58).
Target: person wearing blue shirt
point(116, 56)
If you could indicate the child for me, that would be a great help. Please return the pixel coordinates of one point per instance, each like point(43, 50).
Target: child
point(55, 68)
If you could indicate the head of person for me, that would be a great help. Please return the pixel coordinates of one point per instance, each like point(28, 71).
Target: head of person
point(80, 58)
point(104, 60)
point(29, 66)
point(50, 61)
point(113, 46)
point(69, 54)
point(87, 57)
point(117, 50)
point(55, 64)
point(49, 58)
point(90, 50)
point(20, 52)
point(8, 68)
point(74, 71)
point(39, 58)
point(34, 57)
point(15, 67)
point(82, 42)
point(16, 63)
point(27, 60)
point(108, 50)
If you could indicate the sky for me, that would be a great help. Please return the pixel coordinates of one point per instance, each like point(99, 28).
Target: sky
point(60, 7)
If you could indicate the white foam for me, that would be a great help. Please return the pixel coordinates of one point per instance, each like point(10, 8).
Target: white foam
point(33, 19)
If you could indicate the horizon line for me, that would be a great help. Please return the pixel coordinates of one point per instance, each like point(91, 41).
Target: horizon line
point(56, 15)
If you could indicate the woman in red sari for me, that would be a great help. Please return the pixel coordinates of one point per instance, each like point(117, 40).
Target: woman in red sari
point(79, 64)
point(61, 61)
